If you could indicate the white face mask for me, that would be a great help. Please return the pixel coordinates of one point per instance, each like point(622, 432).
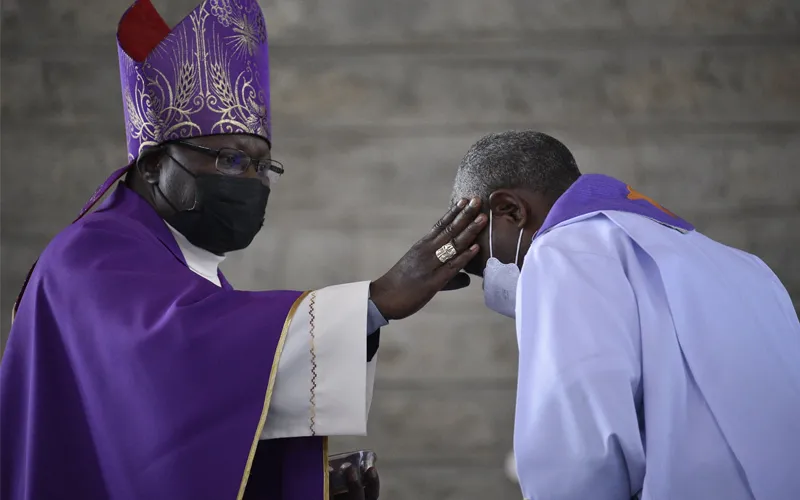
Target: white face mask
point(500, 280)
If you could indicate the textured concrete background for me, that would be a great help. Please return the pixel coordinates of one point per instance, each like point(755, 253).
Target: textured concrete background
point(695, 102)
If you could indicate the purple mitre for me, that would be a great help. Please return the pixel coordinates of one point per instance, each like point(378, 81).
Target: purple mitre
point(208, 75)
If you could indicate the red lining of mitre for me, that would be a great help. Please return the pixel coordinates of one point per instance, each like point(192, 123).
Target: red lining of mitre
point(141, 29)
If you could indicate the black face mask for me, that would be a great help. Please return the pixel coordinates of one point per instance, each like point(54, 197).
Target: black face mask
point(227, 214)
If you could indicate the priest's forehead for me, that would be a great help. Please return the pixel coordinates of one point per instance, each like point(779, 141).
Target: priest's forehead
point(253, 145)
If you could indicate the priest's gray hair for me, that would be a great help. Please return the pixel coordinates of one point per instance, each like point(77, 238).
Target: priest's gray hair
point(515, 159)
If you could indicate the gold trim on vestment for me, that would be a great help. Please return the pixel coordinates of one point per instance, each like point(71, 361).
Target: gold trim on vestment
point(326, 484)
point(312, 419)
point(263, 419)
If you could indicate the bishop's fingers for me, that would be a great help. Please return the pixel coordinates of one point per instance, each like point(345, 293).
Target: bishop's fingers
point(355, 487)
point(459, 281)
point(467, 237)
point(372, 484)
point(447, 218)
point(461, 222)
point(453, 266)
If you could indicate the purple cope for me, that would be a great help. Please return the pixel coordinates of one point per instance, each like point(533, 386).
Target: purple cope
point(126, 375)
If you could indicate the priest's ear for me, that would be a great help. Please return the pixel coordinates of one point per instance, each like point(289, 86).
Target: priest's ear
point(507, 205)
point(148, 165)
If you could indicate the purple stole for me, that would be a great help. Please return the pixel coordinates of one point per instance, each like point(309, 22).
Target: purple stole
point(598, 193)
point(129, 377)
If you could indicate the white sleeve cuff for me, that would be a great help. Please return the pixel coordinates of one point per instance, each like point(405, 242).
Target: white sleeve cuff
point(323, 386)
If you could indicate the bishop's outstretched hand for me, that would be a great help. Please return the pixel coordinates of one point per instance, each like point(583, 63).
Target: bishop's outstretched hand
point(432, 264)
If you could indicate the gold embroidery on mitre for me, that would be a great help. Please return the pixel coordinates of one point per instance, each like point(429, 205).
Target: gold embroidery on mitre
point(248, 25)
point(239, 103)
point(162, 108)
point(202, 96)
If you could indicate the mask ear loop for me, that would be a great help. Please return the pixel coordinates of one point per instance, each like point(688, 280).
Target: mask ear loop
point(490, 234)
point(519, 242)
point(161, 193)
point(194, 176)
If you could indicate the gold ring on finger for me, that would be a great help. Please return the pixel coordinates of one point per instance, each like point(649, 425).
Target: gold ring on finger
point(446, 252)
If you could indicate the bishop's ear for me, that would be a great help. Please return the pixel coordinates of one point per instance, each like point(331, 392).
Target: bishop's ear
point(149, 165)
point(506, 204)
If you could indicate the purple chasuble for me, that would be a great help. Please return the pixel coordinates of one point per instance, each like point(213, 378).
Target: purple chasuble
point(129, 377)
point(600, 193)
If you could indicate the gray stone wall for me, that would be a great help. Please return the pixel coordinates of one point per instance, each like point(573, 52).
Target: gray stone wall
point(695, 102)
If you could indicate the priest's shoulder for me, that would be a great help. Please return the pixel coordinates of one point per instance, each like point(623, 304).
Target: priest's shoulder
point(597, 234)
point(96, 237)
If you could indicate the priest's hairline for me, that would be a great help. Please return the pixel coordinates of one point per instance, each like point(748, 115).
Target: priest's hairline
point(515, 159)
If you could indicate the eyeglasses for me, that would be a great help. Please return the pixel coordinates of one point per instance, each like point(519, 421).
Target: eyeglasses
point(231, 161)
